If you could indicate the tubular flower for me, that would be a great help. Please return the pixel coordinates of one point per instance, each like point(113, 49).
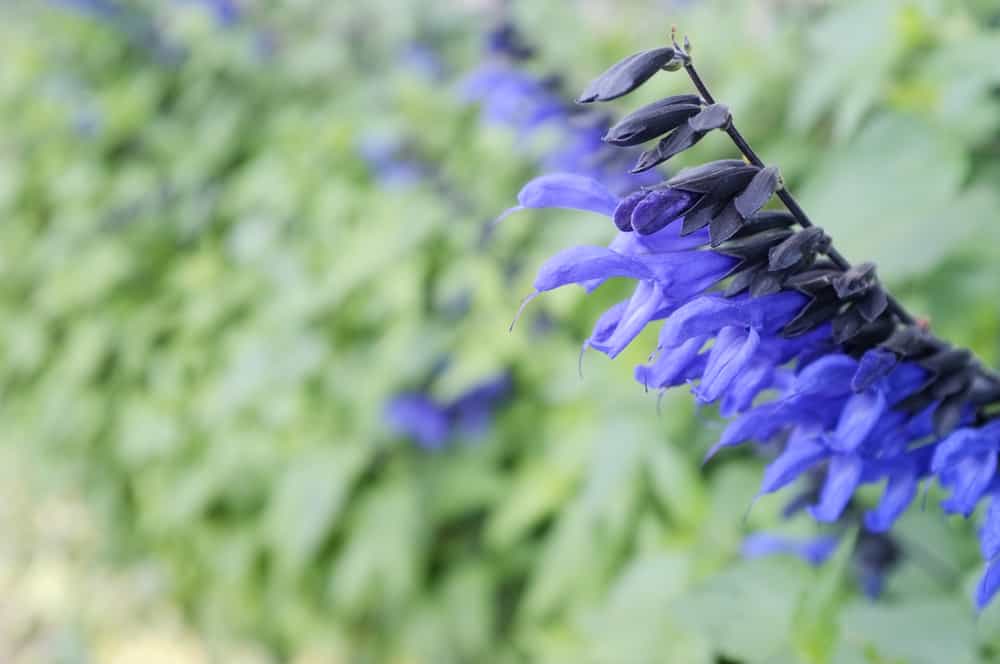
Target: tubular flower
point(800, 350)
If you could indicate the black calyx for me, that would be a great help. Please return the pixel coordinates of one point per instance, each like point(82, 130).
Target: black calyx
point(684, 136)
point(626, 75)
point(653, 120)
point(758, 192)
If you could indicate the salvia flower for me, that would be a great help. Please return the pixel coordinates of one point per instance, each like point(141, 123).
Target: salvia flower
point(431, 423)
point(798, 348)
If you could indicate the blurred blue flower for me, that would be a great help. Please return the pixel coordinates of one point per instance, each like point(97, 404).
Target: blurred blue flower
point(813, 550)
point(419, 417)
point(432, 424)
point(390, 164)
point(226, 13)
point(511, 96)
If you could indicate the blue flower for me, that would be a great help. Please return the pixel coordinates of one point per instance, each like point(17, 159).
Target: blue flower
point(389, 163)
point(419, 417)
point(226, 13)
point(513, 97)
point(510, 97)
point(432, 424)
point(836, 416)
point(803, 352)
point(815, 550)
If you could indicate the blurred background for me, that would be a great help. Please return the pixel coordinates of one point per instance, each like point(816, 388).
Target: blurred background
point(258, 400)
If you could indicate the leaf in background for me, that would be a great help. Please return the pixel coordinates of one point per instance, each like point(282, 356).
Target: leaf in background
point(379, 565)
point(917, 632)
point(854, 50)
point(308, 500)
point(892, 197)
point(541, 489)
point(635, 620)
point(747, 611)
point(675, 484)
point(961, 89)
point(815, 628)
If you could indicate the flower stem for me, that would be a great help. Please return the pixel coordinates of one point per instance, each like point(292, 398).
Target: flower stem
point(783, 194)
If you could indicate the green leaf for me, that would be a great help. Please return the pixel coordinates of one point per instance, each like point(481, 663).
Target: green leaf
point(747, 611)
point(308, 499)
point(892, 197)
point(815, 629)
point(917, 632)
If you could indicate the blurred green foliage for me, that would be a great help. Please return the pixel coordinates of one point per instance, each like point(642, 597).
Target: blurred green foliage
point(207, 296)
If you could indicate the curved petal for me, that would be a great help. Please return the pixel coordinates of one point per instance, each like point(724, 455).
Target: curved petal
point(418, 417)
point(828, 375)
point(659, 209)
point(623, 211)
point(606, 324)
point(842, 477)
point(733, 350)
point(566, 190)
point(874, 365)
point(989, 534)
point(581, 264)
point(646, 301)
point(814, 551)
point(900, 490)
point(958, 445)
point(703, 316)
point(860, 415)
point(988, 585)
point(673, 366)
point(750, 382)
point(968, 479)
point(688, 273)
point(795, 460)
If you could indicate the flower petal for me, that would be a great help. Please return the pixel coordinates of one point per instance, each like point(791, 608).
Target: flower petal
point(795, 460)
point(606, 324)
point(874, 365)
point(814, 551)
point(623, 211)
point(673, 366)
point(829, 376)
point(418, 417)
point(734, 348)
point(686, 274)
point(659, 209)
point(988, 585)
point(842, 477)
point(968, 479)
point(580, 264)
point(960, 444)
point(750, 382)
point(710, 313)
point(860, 415)
point(566, 190)
point(900, 490)
point(989, 534)
point(644, 305)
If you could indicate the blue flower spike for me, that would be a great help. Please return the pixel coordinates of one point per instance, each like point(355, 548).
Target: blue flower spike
point(759, 313)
